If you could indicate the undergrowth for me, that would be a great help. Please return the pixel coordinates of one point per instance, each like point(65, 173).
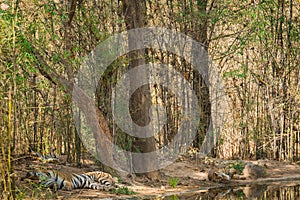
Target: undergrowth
point(173, 182)
point(122, 190)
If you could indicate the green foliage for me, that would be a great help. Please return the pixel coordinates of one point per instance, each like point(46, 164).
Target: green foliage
point(239, 194)
point(21, 194)
point(120, 180)
point(173, 197)
point(238, 166)
point(35, 191)
point(173, 182)
point(239, 73)
point(122, 190)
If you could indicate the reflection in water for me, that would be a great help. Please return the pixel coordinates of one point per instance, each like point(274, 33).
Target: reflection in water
point(286, 193)
point(252, 192)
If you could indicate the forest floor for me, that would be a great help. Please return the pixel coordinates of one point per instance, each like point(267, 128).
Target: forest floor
point(186, 175)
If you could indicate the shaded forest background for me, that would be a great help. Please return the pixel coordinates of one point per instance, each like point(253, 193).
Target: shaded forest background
point(253, 44)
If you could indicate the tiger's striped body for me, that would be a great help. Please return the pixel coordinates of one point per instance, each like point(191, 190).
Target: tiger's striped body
point(97, 180)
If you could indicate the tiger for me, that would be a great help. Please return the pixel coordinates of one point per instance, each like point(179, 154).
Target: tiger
point(96, 180)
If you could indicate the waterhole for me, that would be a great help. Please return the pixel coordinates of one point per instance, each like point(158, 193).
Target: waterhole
point(286, 191)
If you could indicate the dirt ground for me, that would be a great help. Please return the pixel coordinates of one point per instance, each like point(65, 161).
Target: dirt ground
point(191, 174)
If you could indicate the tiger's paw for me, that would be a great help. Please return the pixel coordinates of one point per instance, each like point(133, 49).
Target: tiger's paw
point(96, 186)
point(68, 186)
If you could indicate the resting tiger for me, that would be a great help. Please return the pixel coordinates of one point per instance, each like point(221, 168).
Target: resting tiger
point(97, 180)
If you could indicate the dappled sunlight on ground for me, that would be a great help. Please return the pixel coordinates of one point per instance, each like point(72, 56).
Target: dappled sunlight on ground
point(191, 175)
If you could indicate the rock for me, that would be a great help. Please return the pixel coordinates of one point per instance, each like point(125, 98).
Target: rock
point(231, 172)
point(218, 176)
point(252, 171)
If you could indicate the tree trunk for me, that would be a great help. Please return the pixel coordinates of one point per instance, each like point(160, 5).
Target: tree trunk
point(99, 127)
point(140, 104)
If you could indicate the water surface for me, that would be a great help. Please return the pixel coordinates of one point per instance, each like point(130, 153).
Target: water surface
point(284, 191)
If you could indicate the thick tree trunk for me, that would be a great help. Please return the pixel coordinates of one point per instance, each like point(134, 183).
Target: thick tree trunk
point(134, 11)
